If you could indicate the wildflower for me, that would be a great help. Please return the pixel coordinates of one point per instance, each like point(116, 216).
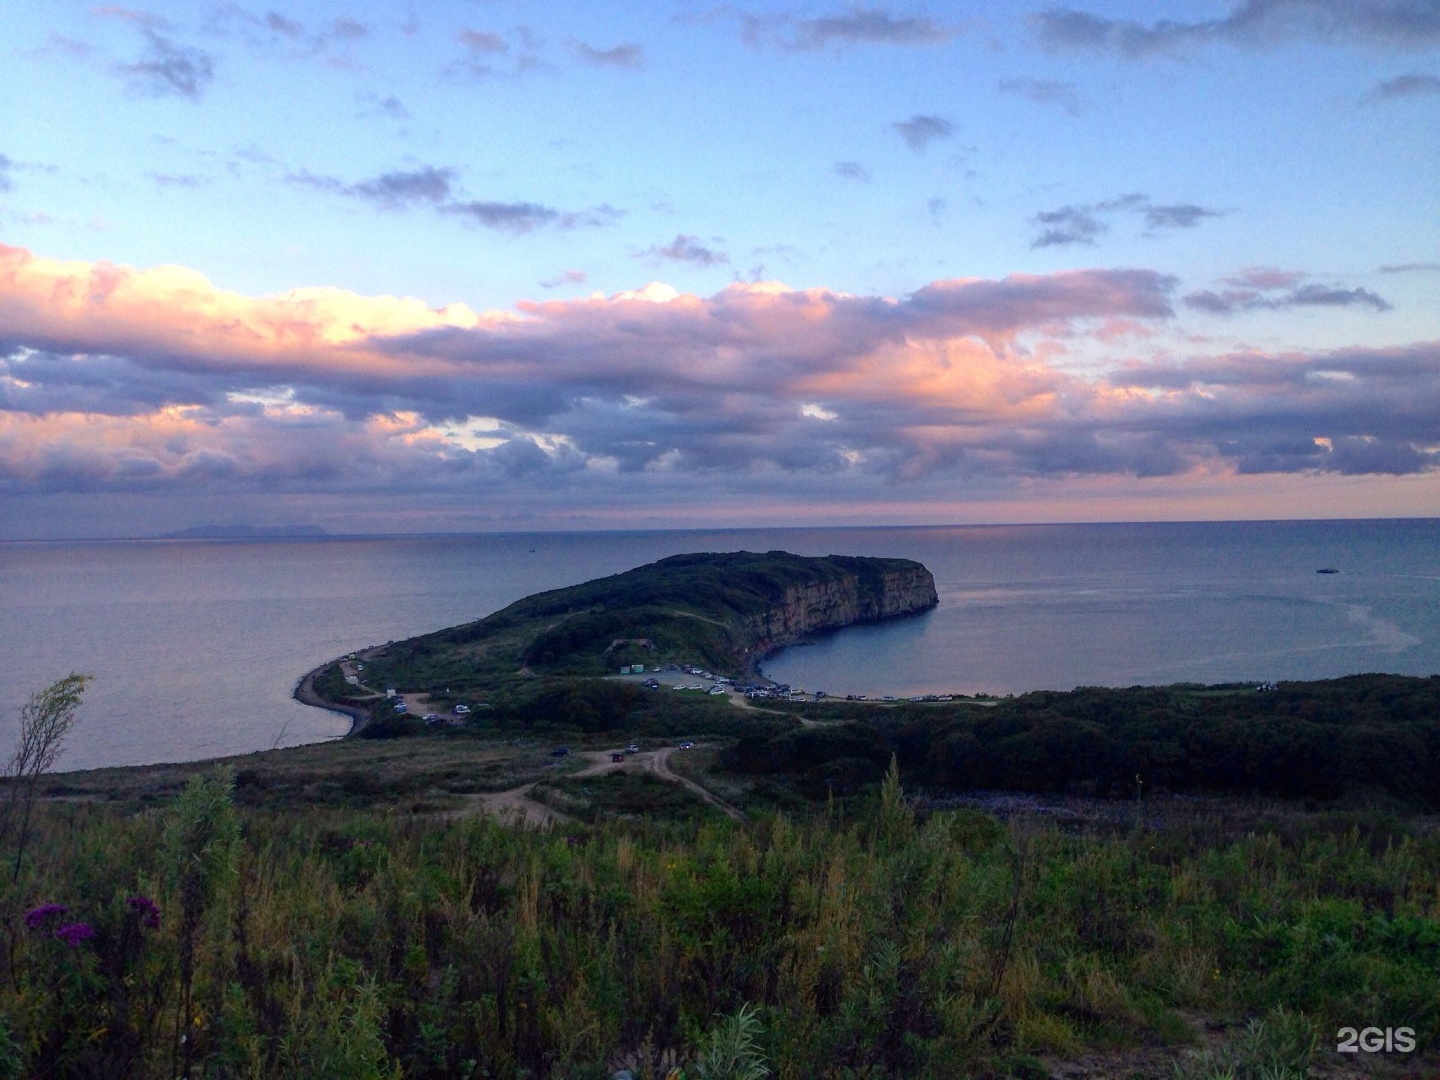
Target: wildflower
point(145, 909)
point(74, 933)
point(35, 918)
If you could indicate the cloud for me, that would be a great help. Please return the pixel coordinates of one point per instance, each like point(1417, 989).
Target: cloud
point(920, 131)
point(435, 187)
point(482, 41)
point(389, 106)
point(1046, 92)
point(687, 249)
point(1403, 86)
point(628, 56)
point(1084, 224)
point(1181, 216)
point(1067, 225)
point(279, 35)
point(566, 277)
point(114, 379)
point(1401, 24)
point(851, 170)
point(396, 189)
point(487, 54)
point(168, 69)
point(516, 217)
point(854, 26)
point(178, 180)
point(1277, 290)
point(1410, 268)
point(6, 184)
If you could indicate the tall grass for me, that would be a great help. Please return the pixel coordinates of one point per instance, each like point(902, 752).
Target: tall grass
point(880, 943)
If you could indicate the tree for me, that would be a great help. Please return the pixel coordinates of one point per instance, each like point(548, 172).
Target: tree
point(45, 720)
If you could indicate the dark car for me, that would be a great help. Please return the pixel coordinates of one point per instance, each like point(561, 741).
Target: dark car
point(617, 758)
point(560, 751)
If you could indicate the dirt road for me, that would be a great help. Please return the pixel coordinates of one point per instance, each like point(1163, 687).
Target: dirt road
point(517, 805)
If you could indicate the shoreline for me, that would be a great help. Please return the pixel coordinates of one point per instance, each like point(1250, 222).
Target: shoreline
point(305, 694)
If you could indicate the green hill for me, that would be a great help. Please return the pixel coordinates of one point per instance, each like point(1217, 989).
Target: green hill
point(721, 611)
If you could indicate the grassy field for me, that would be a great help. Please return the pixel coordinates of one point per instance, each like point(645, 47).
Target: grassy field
point(906, 891)
point(356, 925)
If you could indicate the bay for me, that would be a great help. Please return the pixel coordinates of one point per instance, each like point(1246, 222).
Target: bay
point(196, 645)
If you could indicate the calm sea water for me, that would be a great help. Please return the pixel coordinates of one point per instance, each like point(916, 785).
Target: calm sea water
point(197, 645)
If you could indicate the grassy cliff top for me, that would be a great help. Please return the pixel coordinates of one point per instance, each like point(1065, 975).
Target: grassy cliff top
point(683, 609)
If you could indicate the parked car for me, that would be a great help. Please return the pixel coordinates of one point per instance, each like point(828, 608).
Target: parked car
point(633, 748)
point(687, 746)
point(560, 751)
point(617, 759)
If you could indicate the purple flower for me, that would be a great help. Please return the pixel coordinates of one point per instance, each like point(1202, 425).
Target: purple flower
point(74, 933)
point(145, 909)
point(35, 918)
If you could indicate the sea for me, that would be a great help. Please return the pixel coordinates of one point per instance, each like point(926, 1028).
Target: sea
point(195, 646)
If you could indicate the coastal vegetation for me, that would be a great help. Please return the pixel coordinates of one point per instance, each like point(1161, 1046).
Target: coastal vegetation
point(724, 611)
point(880, 936)
point(1187, 881)
point(1363, 737)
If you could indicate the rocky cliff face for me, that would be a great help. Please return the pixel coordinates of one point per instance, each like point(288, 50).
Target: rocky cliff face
point(829, 605)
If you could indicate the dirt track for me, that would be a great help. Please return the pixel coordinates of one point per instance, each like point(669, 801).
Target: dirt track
point(517, 805)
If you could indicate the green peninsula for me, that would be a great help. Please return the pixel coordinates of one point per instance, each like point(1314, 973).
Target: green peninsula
point(724, 611)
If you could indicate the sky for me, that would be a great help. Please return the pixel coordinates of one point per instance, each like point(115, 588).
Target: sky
point(513, 265)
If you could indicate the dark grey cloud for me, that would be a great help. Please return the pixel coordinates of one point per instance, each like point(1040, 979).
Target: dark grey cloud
point(628, 56)
point(851, 170)
point(393, 107)
point(436, 188)
point(347, 29)
point(170, 69)
point(1064, 95)
point(1402, 24)
point(523, 217)
point(280, 35)
point(687, 249)
point(1084, 224)
point(868, 26)
point(1180, 216)
point(517, 217)
point(1066, 226)
point(488, 54)
point(1278, 290)
point(1403, 86)
point(566, 277)
point(920, 131)
point(279, 24)
point(853, 26)
point(396, 189)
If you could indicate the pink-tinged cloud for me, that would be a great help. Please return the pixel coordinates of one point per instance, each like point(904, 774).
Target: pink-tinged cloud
point(174, 316)
point(118, 379)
